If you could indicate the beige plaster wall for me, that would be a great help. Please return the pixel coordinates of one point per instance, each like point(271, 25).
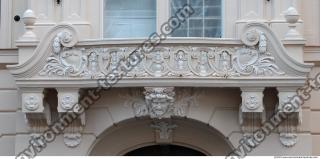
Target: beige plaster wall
point(313, 108)
point(8, 107)
point(217, 108)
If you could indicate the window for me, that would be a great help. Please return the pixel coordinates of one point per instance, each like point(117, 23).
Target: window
point(129, 18)
point(205, 22)
point(0, 11)
point(140, 18)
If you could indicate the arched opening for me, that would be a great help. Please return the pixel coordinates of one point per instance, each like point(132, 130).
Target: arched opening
point(164, 150)
point(137, 137)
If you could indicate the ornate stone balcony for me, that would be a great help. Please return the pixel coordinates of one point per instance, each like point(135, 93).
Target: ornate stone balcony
point(252, 63)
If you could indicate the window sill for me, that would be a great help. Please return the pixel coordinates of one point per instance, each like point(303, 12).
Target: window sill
point(170, 40)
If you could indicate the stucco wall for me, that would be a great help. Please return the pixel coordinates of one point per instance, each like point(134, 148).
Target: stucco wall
point(217, 107)
point(8, 107)
point(312, 113)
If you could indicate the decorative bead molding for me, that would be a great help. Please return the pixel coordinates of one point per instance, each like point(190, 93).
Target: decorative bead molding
point(164, 131)
point(72, 139)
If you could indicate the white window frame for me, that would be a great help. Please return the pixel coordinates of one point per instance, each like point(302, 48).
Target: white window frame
point(162, 15)
point(222, 22)
point(5, 24)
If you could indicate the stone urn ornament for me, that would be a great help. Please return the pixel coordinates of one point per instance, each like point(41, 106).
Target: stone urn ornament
point(292, 17)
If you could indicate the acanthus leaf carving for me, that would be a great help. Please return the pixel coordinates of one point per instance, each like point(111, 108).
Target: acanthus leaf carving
point(183, 99)
point(253, 59)
point(250, 61)
point(63, 39)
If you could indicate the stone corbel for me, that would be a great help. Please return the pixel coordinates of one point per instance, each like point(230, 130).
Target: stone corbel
point(68, 99)
point(37, 111)
point(252, 112)
point(290, 105)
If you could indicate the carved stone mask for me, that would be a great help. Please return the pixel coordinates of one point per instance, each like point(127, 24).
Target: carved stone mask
point(159, 101)
point(159, 107)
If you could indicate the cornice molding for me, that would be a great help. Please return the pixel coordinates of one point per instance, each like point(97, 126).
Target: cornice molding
point(312, 54)
point(9, 56)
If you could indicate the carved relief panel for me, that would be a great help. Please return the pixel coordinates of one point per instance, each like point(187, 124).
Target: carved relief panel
point(253, 59)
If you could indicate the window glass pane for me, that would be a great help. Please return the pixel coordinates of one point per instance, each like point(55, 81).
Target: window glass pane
point(213, 12)
point(212, 22)
point(205, 22)
point(182, 31)
point(213, 32)
point(196, 3)
point(129, 18)
point(179, 3)
point(212, 2)
point(195, 27)
point(198, 12)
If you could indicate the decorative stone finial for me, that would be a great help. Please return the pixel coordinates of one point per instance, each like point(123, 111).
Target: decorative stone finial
point(292, 17)
point(29, 19)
